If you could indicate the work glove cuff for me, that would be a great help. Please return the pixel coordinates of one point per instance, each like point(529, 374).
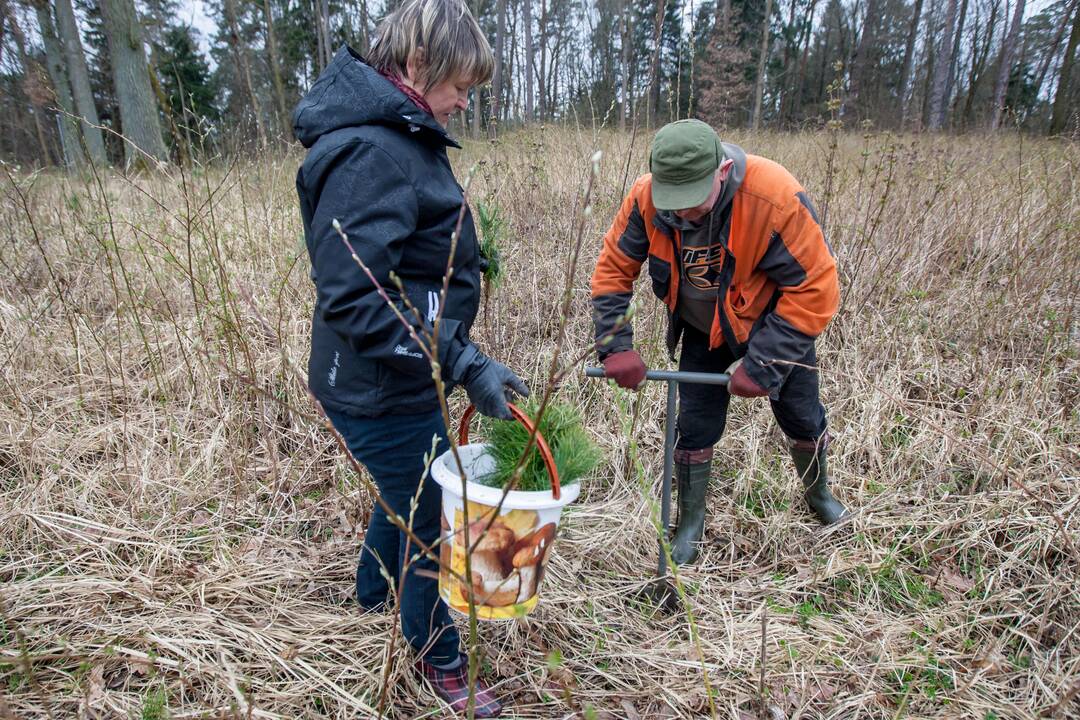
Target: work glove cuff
point(468, 362)
point(487, 383)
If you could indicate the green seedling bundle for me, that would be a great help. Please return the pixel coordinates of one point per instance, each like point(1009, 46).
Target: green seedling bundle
point(576, 455)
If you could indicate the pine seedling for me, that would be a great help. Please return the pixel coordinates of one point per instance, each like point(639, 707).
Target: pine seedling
point(492, 225)
point(575, 453)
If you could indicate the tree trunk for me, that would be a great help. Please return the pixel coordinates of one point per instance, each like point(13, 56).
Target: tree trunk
point(791, 75)
point(1005, 68)
point(512, 97)
point(497, 79)
point(1041, 78)
point(954, 70)
point(477, 93)
point(759, 86)
point(320, 52)
point(909, 57)
point(54, 62)
point(651, 111)
point(978, 65)
point(625, 69)
point(820, 96)
point(324, 23)
point(79, 77)
point(860, 62)
point(275, 68)
point(931, 56)
point(33, 82)
point(323, 52)
point(942, 67)
point(365, 41)
point(800, 72)
point(477, 109)
point(240, 51)
point(542, 78)
point(131, 80)
point(553, 77)
point(1059, 117)
point(527, 10)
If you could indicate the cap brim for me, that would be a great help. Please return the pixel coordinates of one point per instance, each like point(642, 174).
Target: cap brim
point(682, 196)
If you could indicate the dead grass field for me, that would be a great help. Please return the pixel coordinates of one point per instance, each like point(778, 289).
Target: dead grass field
point(176, 541)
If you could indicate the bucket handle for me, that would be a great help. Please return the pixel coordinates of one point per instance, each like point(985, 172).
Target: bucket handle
point(541, 443)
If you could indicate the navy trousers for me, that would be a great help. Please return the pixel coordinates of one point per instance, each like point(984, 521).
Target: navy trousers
point(392, 448)
point(703, 408)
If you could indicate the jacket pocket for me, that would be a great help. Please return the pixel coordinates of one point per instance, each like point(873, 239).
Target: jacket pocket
point(398, 390)
point(739, 301)
point(339, 378)
point(660, 274)
point(749, 298)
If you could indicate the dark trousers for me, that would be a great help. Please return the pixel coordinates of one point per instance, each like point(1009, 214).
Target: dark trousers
point(392, 449)
point(703, 408)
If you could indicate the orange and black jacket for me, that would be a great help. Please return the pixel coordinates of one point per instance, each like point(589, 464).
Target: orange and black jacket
point(777, 282)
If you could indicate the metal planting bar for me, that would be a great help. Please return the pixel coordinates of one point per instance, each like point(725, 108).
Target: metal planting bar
point(672, 378)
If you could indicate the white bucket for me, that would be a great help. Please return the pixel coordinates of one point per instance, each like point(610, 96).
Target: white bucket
point(508, 564)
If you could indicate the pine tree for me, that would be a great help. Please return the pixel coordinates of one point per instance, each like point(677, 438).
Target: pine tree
point(186, 79)
point(725, 87)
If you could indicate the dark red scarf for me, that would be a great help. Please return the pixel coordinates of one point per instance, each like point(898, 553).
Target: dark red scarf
point(410, 93)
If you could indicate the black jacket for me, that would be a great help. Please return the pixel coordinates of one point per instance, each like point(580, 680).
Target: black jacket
point(378, 165)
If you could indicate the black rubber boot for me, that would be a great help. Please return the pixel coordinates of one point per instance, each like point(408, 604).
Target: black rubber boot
point(693, 484)
point(812, 466)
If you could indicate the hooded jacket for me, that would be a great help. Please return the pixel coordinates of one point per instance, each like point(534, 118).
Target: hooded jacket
point(378, 165)
point(777, 285)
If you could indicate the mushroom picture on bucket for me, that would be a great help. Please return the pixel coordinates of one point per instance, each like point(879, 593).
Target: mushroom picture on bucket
point(494, 581)
point(530, 557)
point(512, 518)
point(508, 561)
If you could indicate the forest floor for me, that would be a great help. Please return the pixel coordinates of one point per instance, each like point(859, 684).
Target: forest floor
point(178, 533)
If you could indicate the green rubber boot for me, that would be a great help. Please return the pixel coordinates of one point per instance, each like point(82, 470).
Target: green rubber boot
point(693, 484)
point(812, 467)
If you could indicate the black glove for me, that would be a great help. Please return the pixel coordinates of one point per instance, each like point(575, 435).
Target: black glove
point(486, 382)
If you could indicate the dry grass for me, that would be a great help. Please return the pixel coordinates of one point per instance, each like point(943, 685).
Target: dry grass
point(179, 542)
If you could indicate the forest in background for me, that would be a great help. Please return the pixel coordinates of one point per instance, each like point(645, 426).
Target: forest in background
point(138, 68)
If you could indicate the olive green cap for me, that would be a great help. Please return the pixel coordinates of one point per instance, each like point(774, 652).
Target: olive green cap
point(684, 158)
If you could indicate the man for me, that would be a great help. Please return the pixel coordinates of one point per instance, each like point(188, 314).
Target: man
point(736, 253)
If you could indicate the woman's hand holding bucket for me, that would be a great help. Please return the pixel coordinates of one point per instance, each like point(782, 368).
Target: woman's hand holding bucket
point(486, 381)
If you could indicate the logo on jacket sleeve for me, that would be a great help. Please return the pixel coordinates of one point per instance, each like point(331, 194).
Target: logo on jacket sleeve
point(402, 350)
point(432, 306)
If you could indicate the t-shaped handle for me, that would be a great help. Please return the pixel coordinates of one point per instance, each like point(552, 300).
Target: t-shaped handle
point(698, 378)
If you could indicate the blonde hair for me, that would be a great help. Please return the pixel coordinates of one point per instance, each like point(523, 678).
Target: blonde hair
point(441, 36)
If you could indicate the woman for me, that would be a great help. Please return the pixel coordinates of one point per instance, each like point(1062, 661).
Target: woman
point(377, 163)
